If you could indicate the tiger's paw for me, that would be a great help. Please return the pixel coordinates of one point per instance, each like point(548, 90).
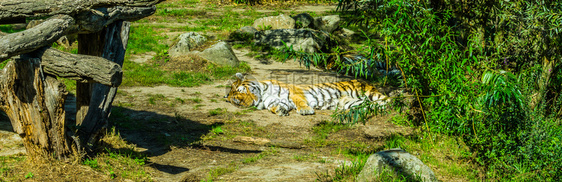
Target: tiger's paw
point(279, 111)
point(283, 113)
point(309, 111)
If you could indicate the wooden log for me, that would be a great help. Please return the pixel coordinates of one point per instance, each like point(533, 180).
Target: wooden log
point(46, 33)
point(96, 19)
point(94, 124)
point(83, 68)
point(90, 44)
point(34, 103)
point(11, 10)
point(39, 36)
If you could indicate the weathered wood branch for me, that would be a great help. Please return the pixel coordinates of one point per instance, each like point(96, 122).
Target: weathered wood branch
point(96, 19)
point(39, 36)
point(11, 10)
point(35, 105)
point(83, 68)
point(96, 119)
point(51, 30)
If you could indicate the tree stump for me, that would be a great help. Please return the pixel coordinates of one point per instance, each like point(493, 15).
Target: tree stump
point(34, 102)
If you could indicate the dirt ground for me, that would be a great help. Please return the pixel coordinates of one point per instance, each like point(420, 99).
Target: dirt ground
point(173, 126)
point(292, 133)
point(192, 134)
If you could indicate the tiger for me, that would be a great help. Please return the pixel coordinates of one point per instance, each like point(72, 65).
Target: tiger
point(280, 98)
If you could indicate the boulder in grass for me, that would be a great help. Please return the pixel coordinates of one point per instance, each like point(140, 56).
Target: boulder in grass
point(274, 22)
point(186, 43)
point(397, 162)
point(243, 34)
point(306, 40)
point(221, 53)
point(327, 23)
point(304, 20)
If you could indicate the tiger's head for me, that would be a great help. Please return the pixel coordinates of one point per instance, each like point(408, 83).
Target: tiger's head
point(244, 92)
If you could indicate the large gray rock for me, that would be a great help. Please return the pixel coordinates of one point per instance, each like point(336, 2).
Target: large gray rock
point(304, 20)
point(327, 23)
point(346, 33)
point(186, 43)
point(306, 40)
point(398, 162)
point(248, 29)
point(276, 22)
point(243, 34)
point(221, 53)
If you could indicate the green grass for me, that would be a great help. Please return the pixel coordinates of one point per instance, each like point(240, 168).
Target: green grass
point(196, 100)
point(153, 98)
point(323, 129)
point(217, 171)
point(9, 29)
point(70, 84)
point(119, 159)
point(7, 169)
point(3, 63)
point(217, 111)
point(136, 74)
point(269, 152)
point(217, 130)
point(143, 38)
point(346, 172)
point(449, 155)
point(303, 157)
point(180, 13)
point(177, 4)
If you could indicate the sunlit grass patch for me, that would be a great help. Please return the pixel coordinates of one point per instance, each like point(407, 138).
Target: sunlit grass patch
point(119, 159)
point(269, 152)
point(7, 167)
point(180, 13)
point(136, 74)
point(218, 171)
point(144, 38)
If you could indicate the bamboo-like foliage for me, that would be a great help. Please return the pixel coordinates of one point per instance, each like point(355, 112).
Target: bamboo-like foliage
point(491, 69)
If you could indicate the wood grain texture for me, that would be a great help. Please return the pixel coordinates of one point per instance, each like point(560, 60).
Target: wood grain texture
point(89, 21)
point(83, 68)
point(95, 122)
point(35, 105)
point(39, 36)
point(11, 10)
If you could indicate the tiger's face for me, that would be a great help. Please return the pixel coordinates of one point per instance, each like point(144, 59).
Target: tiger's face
point(243, 92)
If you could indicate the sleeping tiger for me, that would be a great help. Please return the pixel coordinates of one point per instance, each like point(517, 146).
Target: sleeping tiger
point(280, 98)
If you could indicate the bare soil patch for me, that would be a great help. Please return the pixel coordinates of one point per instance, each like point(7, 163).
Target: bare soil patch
point(177, 131)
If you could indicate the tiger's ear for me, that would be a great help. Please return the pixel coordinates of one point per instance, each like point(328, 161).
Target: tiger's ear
point(239, 76)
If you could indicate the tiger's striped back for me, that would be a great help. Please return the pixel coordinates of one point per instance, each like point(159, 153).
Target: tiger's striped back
point(280, 98)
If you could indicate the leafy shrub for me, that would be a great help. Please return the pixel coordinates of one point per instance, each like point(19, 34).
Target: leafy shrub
point(488, 71)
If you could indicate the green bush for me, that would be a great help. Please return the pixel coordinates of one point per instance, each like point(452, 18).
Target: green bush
point(487, 71)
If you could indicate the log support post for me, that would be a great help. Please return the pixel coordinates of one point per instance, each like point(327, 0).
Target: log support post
point(95, 121)
point(30, 94)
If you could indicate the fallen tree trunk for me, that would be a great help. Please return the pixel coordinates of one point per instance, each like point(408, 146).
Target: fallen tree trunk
point(55, 27)
point(16, 10)
point(95, 20)
point(83, 68)
point(39, 36)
